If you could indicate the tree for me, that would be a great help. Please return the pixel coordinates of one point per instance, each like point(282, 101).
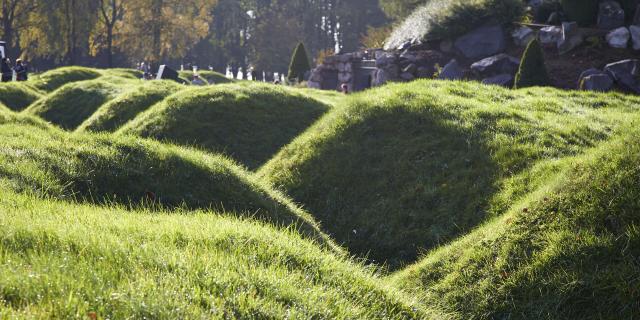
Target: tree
point(532, 71)
point(14, 16)
point(110, 12)
point(299, 63)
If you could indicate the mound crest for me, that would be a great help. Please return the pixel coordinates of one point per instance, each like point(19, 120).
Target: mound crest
point(17, 96)
point(248, 122)
point(211, 76)
point(568, 250)
point(411, 166)
point(127, 106)
point(73, 103)
point(54, 79)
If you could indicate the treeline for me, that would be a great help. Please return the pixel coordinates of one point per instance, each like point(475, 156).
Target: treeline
point(217, 33)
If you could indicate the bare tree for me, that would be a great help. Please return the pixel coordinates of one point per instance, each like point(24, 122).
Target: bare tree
point(111, 11)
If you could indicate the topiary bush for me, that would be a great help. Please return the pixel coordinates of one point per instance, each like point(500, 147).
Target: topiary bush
point(584, 12)
point(532, 71)
point(299, 63)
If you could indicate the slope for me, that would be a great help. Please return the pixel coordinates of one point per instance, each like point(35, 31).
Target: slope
point(249, 122)
point(17, 96)
point(115, 113)
point(54, 79)
point(568, 249)
point(407, 167)
point(103, 169)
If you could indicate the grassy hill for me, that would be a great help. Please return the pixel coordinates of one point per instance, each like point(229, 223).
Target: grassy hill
point(249, 122)
point(115, 113)
point(75, 102)
point(54, 79)
point(409, 167)
point(17, 95)
point(211, 76)
point(568, 249)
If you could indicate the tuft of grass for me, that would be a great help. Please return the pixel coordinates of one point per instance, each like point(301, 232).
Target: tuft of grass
point(54, 79)
point(75, 102)
point(115, 113)
point(568, 248)
point(17, 95)
point(408, 167)
point(103, 169)
point(249, 122)
point(62, 260)
point(211, 76)
point(447, 19)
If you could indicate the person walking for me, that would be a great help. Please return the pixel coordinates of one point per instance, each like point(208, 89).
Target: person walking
point(5, 68)
point(21, 70)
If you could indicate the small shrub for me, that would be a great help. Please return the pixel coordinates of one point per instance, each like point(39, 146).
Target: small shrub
point(299, 63)
point(584, 12)
point(532, 70)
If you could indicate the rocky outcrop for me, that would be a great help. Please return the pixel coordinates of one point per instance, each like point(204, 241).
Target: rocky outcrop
point(618, 38)
point(482, 42)
point(625, 74)
point(611, 15)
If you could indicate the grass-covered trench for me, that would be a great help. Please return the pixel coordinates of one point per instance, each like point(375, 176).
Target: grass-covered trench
point(121, 198)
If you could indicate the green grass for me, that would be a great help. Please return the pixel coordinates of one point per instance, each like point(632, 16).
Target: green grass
point(54, 79)
point(211, 76)
point(447, 19)
point(75, 102)
point(568, 248)
point(61, 260)
point(249, 122)
point(102, 169)
point(17, 95)
point(115, 113)
point(408, 167)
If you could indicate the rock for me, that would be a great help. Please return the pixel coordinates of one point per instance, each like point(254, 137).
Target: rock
point(412, 68)
point(344, 77)
point(406, 76)
point(636, 17)
point(424, 72)
point(610, 15)
point(522, 36)
point(618, 38)
point(587, 73)
point(571, 37)
point(380, 78)
point(446, 46)
point(404, 46)
point(386, 59)
point(451, 71)
point(635, 36)
point(624, 73)
point(482, 42)
point(597, 82)
point(498, 64)
point(550, 35)
point(505, 80)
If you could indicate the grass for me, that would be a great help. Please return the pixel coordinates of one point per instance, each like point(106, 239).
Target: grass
point(54, 79)
point(248, 122)
point(18, 95)
point(567, 249)
point(115, 113)
point(448, 19)
point(72, 104)
point(62, 260)
point(408, 167)
point(211, 76)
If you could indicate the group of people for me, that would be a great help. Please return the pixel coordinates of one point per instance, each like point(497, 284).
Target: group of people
point(7, 69)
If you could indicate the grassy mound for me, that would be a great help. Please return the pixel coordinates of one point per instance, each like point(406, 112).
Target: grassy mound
point(211, 76)
point(17, 96)
point(569, 249)
point(134, 172)
point(411, 166)
point(123, 73)
point(77, 261)
point(73, 103)
point(54, 79)
point(447, 19)
point(248, 122)
point(127, 106)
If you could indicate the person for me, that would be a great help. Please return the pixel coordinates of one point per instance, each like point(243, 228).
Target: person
point(7, 72)
point(21, 70)
point(197, 81)
point(345, 88)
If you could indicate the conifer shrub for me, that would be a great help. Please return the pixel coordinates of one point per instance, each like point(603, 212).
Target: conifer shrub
point(584, 12)
point(532, 71)
point(299, 63)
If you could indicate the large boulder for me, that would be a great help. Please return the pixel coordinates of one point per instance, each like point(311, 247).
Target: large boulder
point(451, 71)
point(587, 73)
point(597, 82)
point(635, 36)
point(498, 64)
point(571, 37)
point(550, 35)
point(505, 80)
point(611, 15)
point(522, 36)
point(625, 73)
point(482, 42)
point(618, 38)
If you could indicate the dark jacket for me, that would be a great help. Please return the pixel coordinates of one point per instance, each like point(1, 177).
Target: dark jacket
point(21, 72)
point(7, 73)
